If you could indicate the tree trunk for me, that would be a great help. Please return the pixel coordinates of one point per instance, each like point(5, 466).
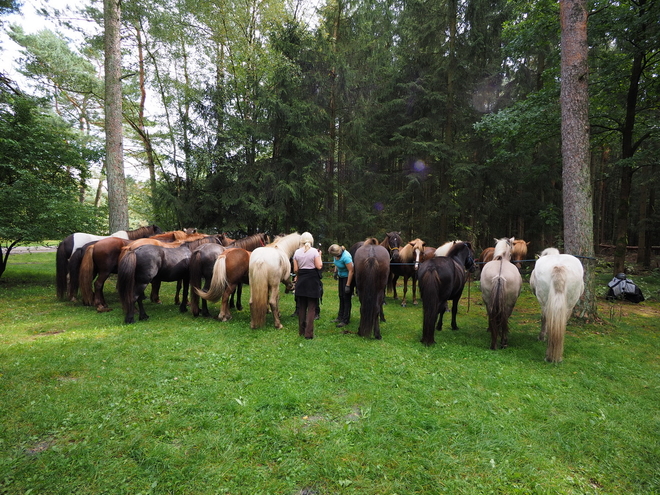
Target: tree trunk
point(627, 151)
point(576, 171)
point(117, 197)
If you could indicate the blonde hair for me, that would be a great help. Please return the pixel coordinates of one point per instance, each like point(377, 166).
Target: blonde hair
point(306, 240)
point(336, 250)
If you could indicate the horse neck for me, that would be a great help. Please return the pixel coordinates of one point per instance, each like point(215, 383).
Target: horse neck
point(139, 233)
point(249, 243)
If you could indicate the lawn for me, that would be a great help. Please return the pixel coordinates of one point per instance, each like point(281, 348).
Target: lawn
point(185, 405)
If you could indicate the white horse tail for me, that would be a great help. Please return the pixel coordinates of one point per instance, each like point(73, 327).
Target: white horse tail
point(218, 281)
point(556, 313)
point(258, 292)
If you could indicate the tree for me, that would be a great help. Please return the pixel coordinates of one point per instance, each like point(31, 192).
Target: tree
point(43, 161)
point(576, 174)
point(117, 197)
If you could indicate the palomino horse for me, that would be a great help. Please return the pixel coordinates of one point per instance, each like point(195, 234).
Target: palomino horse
point(557, 281)
point(151, 263)
point(76, 241)
point(500, 287)
point(372, 269)
point(442, 279)
point(223, 272)
point(269, 266)
point(410, 256)
point(518, 253)
point(102, 258)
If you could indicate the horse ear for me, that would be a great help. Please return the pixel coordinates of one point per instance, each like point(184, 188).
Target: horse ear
point(496, 240)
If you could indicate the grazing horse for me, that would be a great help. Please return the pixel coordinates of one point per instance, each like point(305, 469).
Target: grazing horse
point(372, 269)
point(76, 241)
point(410, 256)
point(153, 263)
point(223, 273)
point(557, 281)
point(270, 265)
point(102, 258)
point(500, 287)
point(442, 279)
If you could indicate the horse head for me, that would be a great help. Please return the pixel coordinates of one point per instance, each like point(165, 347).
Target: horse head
point(462, 253)
point(503, 248)
point(393, 243)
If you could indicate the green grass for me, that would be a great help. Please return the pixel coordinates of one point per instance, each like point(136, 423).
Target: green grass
point(183, 405)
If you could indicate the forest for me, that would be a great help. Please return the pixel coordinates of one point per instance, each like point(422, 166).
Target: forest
point(348, 119)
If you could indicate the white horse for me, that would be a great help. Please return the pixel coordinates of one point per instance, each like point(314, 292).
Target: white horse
point(500, 287)
point(270, 265)
point(558, 282)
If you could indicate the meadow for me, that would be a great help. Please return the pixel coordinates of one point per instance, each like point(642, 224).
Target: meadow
point(184, 405)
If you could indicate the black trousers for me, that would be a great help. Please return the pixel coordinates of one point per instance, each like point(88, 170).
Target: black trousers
point(344, 314)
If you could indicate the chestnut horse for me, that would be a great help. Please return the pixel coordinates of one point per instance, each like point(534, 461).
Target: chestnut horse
point(410, 256)
point(223, 272)
point(153, 263)
point(518, 253)
point(102, 258)
point(500, 287)
point(442, 279)
point(65, 283)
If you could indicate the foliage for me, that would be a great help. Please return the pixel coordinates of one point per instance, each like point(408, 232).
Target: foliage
point(43, 164)
point(176, 404)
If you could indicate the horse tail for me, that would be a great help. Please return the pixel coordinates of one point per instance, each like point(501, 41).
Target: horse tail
point(556, 315)
point(218, 281)
point(126, 279)
point(61, 269)
point(258, 293)
point(498, 313)
point(86, 276)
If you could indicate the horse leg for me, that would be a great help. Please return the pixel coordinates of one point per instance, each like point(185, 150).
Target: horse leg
point(431, 313)
point(274, 299)
point(155, 290)
point(543, 329)
point(493, 333)
point(239, 294)
point(225, 313)
point(454, 311)
point(99, 298)
point(405, 291)
point(183, 307)
point(414, 290)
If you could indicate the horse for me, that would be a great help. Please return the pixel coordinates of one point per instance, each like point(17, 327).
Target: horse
point(392, 243)
point(72, 243)
point(270, 265)
point(519, 252)
point(224, 273)
point(101, 259)
point(557, 281)
point(486, 255)
point(444, 249)
point(500, 288)
point(441, 279)
point(410, 256)
point(152, 263)
point(372, 270)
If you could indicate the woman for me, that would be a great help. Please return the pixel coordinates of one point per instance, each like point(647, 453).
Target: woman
point(344, 273)
point(307, 265)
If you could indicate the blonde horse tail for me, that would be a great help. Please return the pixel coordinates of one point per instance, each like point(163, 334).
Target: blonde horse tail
point(218, 281)
point(86, 277)
point(258, 293)
point(556, 315)
point(498, 313)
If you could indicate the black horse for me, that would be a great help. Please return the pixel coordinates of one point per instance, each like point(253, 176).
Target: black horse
point(442, 279)
point(152, 263)
point(372, 270)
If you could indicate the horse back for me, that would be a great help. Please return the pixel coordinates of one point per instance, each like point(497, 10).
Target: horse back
point(441, 277)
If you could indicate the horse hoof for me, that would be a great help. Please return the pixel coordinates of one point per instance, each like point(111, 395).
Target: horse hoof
point(403, 305)
point(103, 309)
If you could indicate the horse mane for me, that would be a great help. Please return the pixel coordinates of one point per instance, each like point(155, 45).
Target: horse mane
point(142, 232)
point(206, 239)
point(550, 251)
point(406, 252)
point(251, 242)
point(519, 250)
point(288, 243)
point(369, 241)
point(445, 248)
point(503, 249)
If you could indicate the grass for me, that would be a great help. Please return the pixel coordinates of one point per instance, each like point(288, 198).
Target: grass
point(176, 404)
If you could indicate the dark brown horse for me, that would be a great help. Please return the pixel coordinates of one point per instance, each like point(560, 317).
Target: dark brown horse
point(102, 258)
point(372, 270)
point(67, 285)
point(442, 279)
point(203, 266)
point(154, 263)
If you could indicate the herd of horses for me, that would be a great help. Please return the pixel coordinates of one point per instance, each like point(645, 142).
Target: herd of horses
point(214, 268)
